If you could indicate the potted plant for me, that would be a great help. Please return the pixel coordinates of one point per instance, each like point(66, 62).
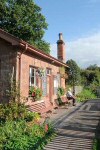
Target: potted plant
point(60, 91)
point(35, 92)
point(40, 72)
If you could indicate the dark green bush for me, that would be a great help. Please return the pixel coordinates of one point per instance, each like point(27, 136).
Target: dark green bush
point(60, 101)
point(60, 91)
point(17, 133)
point(19, 136)
point(15, 111)
point(96, 144)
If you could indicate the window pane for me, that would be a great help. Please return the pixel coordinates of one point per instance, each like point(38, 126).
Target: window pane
point(44, 84)
point(55, 85)
point(32, 80)
point(32, 73)
point(48, 71)
point(33, 77)
point(59, 80)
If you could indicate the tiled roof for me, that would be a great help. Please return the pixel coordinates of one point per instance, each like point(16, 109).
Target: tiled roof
point(19, 42)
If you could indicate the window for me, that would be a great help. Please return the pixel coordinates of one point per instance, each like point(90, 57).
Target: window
point(33, 78)
point(55, 85)
point(44, 84)
point(48, 71)
point(59, 80)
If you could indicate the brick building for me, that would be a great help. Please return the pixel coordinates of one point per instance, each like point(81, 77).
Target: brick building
point(21, 61)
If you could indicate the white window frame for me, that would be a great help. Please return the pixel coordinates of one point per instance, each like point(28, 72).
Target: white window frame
point(48, 71)
point(55, 85)
point(32, 76)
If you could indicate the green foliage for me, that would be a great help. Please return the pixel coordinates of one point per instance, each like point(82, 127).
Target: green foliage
point(59, 101)
point(15, 111)
point(74, 77)
point(23, 19)
point(43, 45)
point(36, 93)
point(96, 144)
point(13, 92)
point(93, 86)
point(19, 128)
point(16, 130)
point(93, 67)
point(91, 78)
point(19, 136)
point(60, 91)
point(85, 94)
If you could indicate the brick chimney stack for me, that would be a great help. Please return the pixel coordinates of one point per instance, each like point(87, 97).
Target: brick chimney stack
point(61, 49)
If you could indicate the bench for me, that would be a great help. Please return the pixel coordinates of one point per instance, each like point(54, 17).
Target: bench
point(56, 104)
point(64, 100)
point(40, 107)
point(60, 101)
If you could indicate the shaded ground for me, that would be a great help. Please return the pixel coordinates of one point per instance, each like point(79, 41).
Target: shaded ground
point(77, 127)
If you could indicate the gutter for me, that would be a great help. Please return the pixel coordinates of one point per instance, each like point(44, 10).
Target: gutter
point(40, 53)
point(16, 41)
point(25, 46)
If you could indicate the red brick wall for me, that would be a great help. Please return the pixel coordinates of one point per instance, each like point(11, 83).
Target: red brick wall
point(7, 67)
point(12, 60)
point(31, 60)
point(61, 52)
point(61, 55)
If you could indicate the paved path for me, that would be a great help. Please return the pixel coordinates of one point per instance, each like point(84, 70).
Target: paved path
point(76, 129)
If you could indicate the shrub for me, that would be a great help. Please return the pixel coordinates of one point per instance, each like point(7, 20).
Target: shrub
point(16, 133)
point(60, 91)
point(85, 94)
point(19, 136)
point(96, 144)
point(15, 111)
point(35, 92)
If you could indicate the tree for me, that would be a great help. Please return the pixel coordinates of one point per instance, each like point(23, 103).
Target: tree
point(93, 67)
point(73, 73)
point(91, 77)
point(88, 76)
point(91, 74)
point(23, 19)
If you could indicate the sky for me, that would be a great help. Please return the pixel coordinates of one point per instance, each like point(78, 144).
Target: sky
point(79, 22)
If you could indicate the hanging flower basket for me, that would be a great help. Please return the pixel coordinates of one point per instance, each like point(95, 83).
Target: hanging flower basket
point(40, 72)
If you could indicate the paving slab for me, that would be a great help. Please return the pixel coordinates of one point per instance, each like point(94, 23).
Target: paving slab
point(77, 127)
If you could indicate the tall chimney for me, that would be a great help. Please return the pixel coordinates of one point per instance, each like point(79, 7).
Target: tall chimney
point(61, 49)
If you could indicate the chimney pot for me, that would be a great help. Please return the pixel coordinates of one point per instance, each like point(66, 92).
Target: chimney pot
point(60, 36)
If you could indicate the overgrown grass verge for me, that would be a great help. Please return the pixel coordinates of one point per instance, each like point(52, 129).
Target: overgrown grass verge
point(85, 95)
